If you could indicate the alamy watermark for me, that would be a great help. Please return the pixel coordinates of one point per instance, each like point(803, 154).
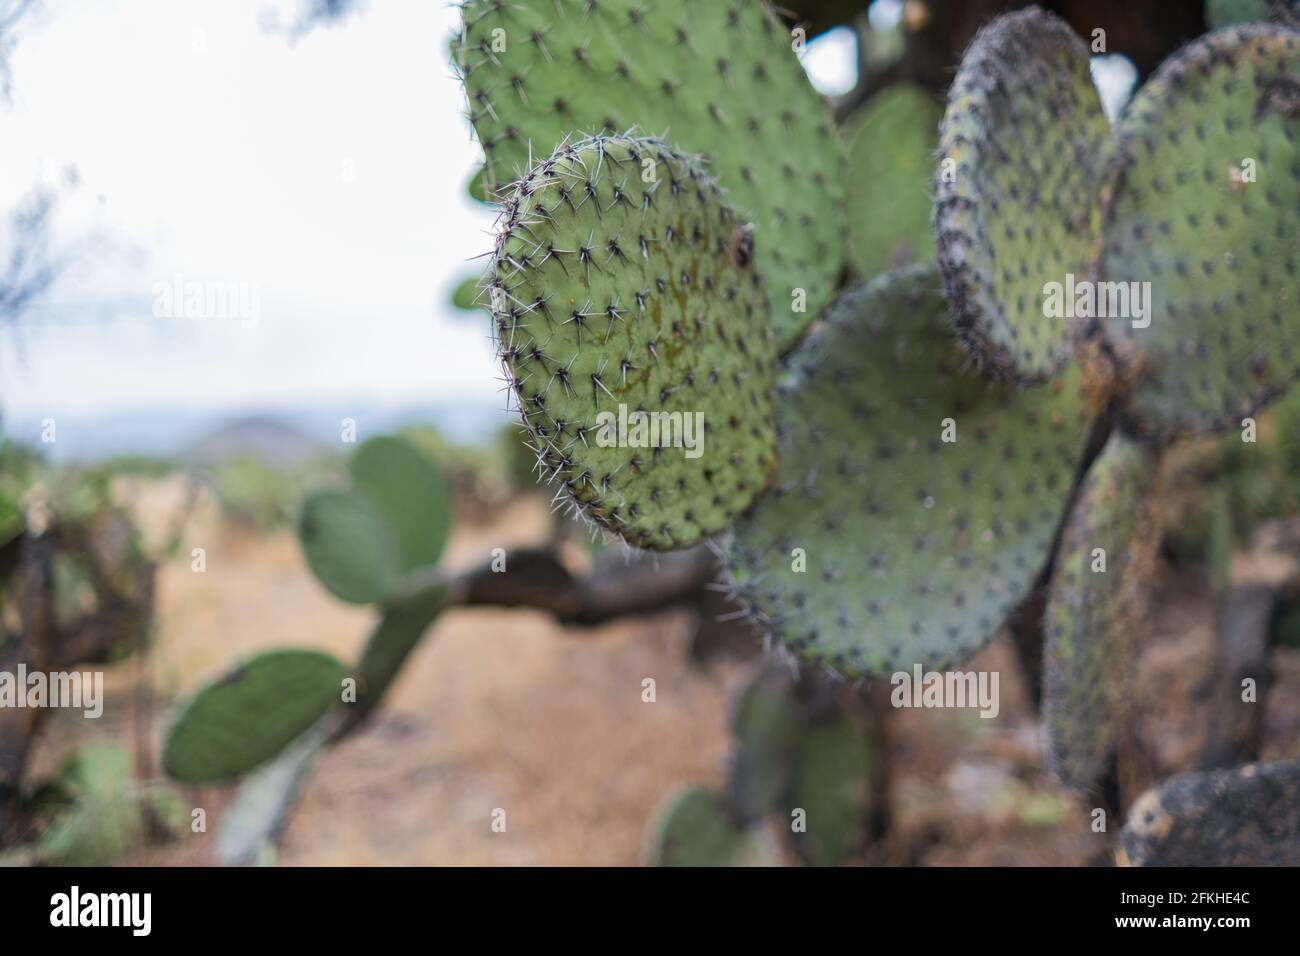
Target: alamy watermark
point(183, 298)
point(932, 689)
point(61, 689)
point(651, 430)
point(1102, 300)
point(133, 911)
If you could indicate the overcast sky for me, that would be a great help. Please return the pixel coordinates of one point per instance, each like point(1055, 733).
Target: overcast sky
point(329, 176)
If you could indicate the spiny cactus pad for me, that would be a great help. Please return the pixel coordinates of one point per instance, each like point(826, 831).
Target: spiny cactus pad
point(1248, 816)
point(693, 827)
point(1024, 153)
point(627, 306)
point(916, 548)
point(248, 716)
point(718, 79)
point(1091, 608)
point(832, 786)
point(765, 724)
point(891, 143)
point(1206, 210)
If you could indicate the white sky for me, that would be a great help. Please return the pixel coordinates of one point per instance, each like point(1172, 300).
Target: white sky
point(209, 148)
point(329, 175)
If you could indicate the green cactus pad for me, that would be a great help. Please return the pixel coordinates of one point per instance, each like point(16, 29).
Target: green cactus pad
point(248, 716)
point(618, 299)
point(476, 188)
point(891, 143)
point(765, 723)
point(1224, 13)
point(1091, 608)
point(714, 79)
point(1219, 251)
point(915, 548)
point(395, 521)
point(832, 786)
point(412, 495)
point(1247, 816)
point(348, 546)
point(391, 642)
point(466, 295)
point(693, 827)
point(1024, 151)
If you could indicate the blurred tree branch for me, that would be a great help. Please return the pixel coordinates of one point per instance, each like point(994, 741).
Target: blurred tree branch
point(11, 11)
point(637, 585)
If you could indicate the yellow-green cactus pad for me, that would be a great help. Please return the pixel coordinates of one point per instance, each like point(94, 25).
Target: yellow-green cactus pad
point(632, 326)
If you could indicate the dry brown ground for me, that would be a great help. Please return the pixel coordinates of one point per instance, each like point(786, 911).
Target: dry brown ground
point(503, 709)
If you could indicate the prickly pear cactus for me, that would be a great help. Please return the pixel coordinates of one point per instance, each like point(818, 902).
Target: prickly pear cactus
point(264, 799)
point(377, 542)
point(398, 632)
point(717, 79)
point(246, 717)
point(1248, 816)
point(411, 494)
point(891, 142)
point(1024, 154)
point(1206, 211)
point(831, 786)
point(466, 295)
point(362, 542)
point(766, 724)
point(626, 298)
point(916, 503)
point(694, 827)
point(1094, 612)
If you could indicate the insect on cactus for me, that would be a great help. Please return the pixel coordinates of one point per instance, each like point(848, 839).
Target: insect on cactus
point(889, 485)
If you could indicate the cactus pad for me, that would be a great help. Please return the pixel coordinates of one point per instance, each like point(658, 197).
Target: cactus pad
point(1223, 13)
point(693, 828)
point(765, 723)
point(832, 785)
point(466, 295)
point(245, 718)
point(914, 548)
point(391, 642)
point(1024, 153)
point(1091, 611)
point(1248, 816)
point(1218, 249)
point(348, 546)
point(891, 143)
point(394, 521)
point(263, 801)
point(625, 295)
point(714, 79)
point(412, 495)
